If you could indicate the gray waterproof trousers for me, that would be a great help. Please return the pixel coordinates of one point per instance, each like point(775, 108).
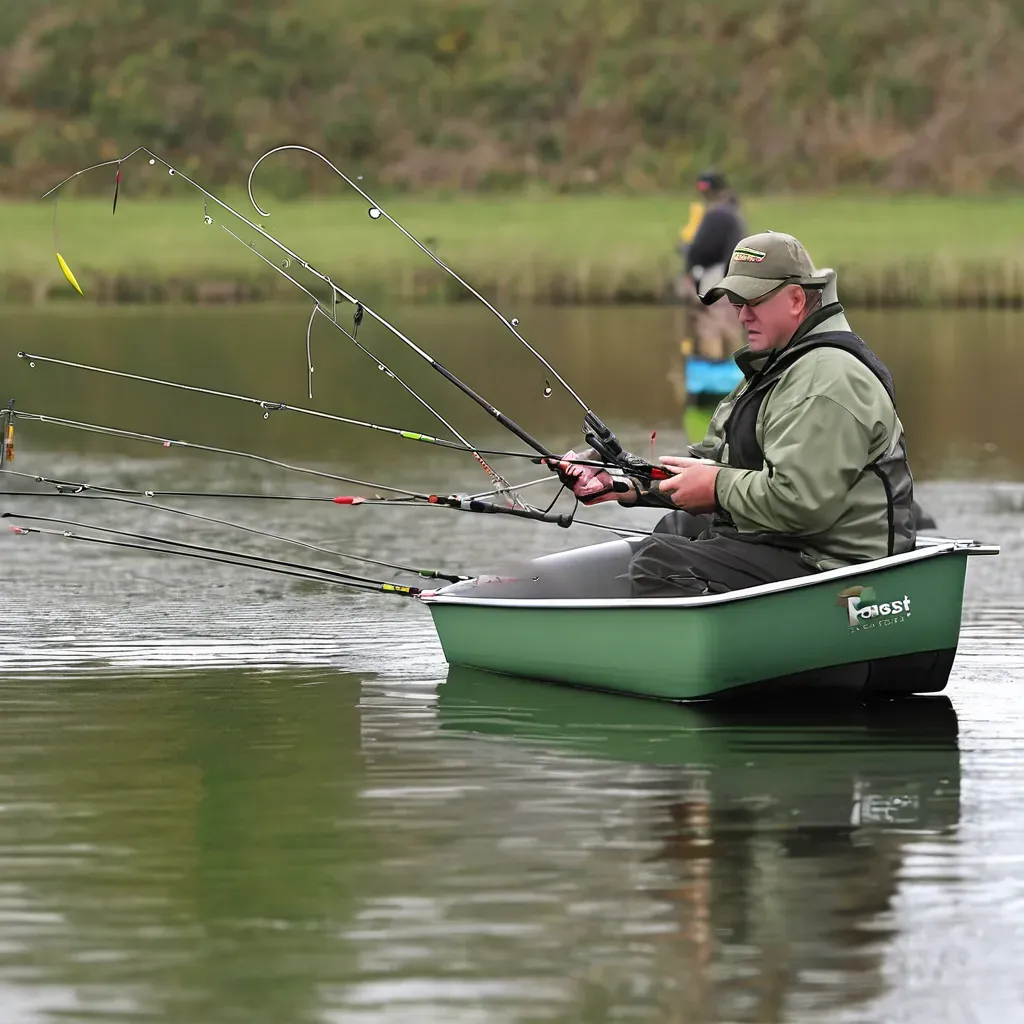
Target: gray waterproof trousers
point(681, 559)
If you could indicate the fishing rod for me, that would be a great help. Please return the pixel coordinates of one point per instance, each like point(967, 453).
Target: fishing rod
point(503, 488)
point(133, 435)
point(267, 407)
point(376, 211)
point(313, 577)
point(501, 483)
point(335, 289)
point(464, 503)
point(596, 433)
point(335, 574)
point(76, 487)
point(432, 574)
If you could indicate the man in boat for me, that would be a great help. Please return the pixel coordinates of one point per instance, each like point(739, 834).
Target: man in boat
point(804, 466)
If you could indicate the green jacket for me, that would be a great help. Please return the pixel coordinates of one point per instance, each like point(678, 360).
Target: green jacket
point(831, 476)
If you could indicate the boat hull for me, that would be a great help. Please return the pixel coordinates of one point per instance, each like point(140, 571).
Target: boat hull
point(889, 628)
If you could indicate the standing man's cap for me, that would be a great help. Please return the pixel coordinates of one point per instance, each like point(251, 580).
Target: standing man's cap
point(711, 181)
point(761, 263)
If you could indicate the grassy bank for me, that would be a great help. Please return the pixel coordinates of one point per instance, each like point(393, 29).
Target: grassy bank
point(902, 251)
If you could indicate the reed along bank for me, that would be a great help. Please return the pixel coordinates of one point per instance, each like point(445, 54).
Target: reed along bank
point(889, 251)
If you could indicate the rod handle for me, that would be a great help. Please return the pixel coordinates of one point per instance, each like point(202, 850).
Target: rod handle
point(562, 519)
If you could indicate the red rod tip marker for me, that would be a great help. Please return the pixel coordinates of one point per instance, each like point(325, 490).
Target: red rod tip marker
point(343, 500)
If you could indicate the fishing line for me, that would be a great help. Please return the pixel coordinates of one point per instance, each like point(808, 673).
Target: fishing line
point(376, 212)
point(503, 486)
point(82, 489)
point(7, 420)
point(456, 501)
point(426, 573)
point(208, 549)
point(268, 407)
point(505, 421)
point(309, 342)
point(74, 486)
point(334, 291)
point(388, 588)
point(519, 487)
point(95, 428)
point(596, 433)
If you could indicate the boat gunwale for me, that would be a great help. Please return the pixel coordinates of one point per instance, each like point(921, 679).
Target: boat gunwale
point(928, 547)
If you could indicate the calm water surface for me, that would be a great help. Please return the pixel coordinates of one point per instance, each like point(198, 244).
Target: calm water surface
point(236, 797)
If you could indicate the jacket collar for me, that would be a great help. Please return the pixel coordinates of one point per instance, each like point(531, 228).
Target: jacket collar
point(827, 319)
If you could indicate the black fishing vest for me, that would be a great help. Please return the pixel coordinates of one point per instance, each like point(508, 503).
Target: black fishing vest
point(891, 468)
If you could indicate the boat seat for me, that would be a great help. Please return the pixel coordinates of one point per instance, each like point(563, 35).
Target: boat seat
point(597, 570)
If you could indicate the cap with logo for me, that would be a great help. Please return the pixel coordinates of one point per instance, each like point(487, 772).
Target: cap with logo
point(761, 263)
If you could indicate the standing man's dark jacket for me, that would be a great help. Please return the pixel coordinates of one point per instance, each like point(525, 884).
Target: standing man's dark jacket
point(721, 230)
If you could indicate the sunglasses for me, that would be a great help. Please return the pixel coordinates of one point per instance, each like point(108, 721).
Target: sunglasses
point(738, 302)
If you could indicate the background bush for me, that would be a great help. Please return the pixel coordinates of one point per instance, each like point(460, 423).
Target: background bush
point(631, 95)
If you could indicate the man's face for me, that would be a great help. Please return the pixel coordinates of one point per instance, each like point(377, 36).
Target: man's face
point(771, 321)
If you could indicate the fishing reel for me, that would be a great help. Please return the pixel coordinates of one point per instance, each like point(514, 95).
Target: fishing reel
point(625, 469)
point(606, 444)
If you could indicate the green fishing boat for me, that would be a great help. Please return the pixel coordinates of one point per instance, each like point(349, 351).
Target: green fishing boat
point(887, 628)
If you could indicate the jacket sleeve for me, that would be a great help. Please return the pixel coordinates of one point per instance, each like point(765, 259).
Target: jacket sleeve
point(814, 452)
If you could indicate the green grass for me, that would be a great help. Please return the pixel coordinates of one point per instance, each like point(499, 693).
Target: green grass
point(573, 249)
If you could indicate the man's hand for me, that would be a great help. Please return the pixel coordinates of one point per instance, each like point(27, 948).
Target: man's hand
point(591, 485)
point(693, 486)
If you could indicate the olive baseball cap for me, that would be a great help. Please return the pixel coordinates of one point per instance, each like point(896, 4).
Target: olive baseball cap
point(763, 262)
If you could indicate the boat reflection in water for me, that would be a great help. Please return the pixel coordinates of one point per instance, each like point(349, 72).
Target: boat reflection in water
point(772, 839)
